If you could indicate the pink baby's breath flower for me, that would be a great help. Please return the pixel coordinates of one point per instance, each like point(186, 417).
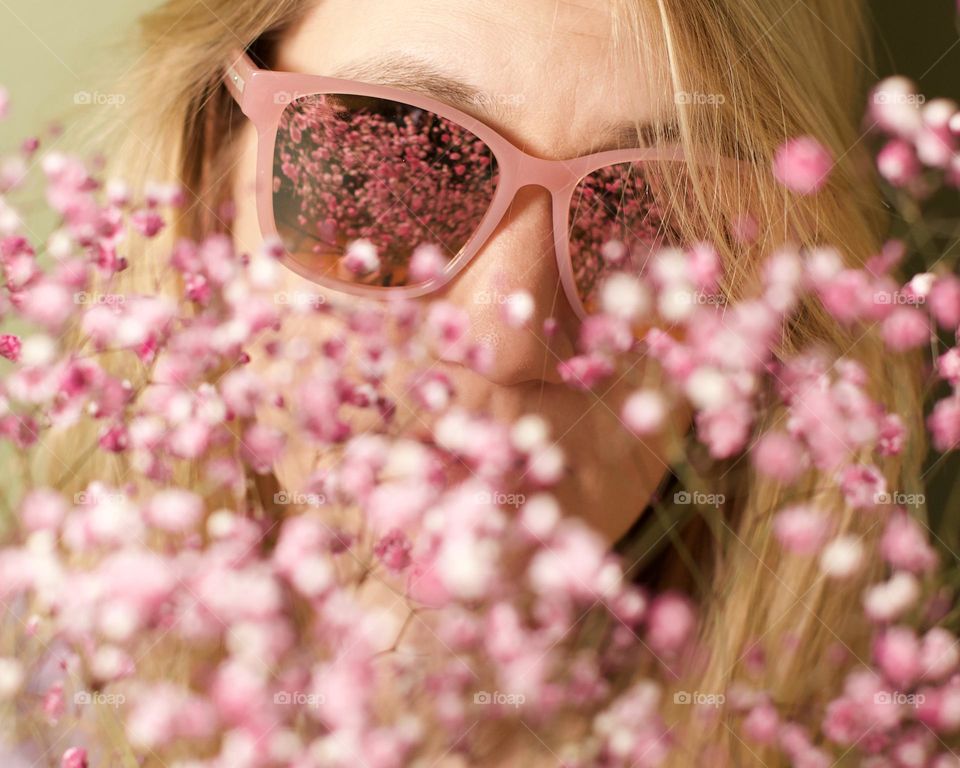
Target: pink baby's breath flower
point(75, 757)
point(898, 163)
point(48, 303)
point(174, 510)
point(624, 297)
point(802, 165)
point(118, 193)
point(704, 265)
point(944, 301)
point(114, 438)
point(448, 327)
point(725, 430)
point(904, 544)
point(585, 371)
point(897, 651)
point(935, 142)
point(939, 654)
point(645, 411)
point(783, 279)
point(892, 435)
point(466, 565)
point(152, 722)
point(614, 252)
point(43, 509)
point(762, 724)
point(890, 599)
point(4, 103)
point(394, 550)
point(424, 584)
point(895, 107)
point(848, 295)
point(670, 622)
point(361, 259)
point(149, 223)
point(10, 346)
point(863, 486)
point(546, 465)
point(905, 328)
point(262, 446)
point(801, 530)
point(842, 557)
point(300, 555)
point(779, 456)
point(529, 433)
point(944, 424)
point(948, 366)
point(434, 391)
point(518, 309)
point(427, 263)
point(157, 194)
point(940, 708)
point(605, 335)
point(572, 566)
point(218, 259)
point(539, 516)
point(822, 265)
point(397, 505)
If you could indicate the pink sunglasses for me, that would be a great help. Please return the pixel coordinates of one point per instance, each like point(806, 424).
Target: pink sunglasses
point(354, 179)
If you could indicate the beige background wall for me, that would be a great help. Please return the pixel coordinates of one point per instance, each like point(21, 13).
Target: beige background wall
point(53, 52)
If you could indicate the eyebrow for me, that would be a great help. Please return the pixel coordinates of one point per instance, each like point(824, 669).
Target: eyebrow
point(410, 73)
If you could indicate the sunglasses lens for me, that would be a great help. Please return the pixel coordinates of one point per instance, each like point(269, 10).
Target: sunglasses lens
point(359, 183)
point(619, 216)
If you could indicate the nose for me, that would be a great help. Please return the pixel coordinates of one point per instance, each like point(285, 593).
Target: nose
point(519, 256)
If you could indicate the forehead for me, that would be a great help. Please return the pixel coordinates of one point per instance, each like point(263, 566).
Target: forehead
point(548, 72)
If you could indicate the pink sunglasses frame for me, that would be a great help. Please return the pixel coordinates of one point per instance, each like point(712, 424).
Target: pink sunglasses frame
point(264, 94)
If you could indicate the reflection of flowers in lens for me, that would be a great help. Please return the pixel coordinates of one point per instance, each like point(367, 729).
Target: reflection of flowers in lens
point(350, 168)
point(617, 220)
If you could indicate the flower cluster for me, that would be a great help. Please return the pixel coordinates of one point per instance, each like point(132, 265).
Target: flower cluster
point(424, 589)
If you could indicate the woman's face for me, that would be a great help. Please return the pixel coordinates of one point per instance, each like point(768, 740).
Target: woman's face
point(547, 76)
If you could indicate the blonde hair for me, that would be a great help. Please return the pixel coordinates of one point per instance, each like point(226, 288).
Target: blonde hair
point(784, 69)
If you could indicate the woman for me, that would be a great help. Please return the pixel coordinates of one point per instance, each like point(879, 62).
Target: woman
point(561, 80)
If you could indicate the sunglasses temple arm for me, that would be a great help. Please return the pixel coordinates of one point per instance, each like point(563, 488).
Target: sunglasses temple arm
point(238, 75)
